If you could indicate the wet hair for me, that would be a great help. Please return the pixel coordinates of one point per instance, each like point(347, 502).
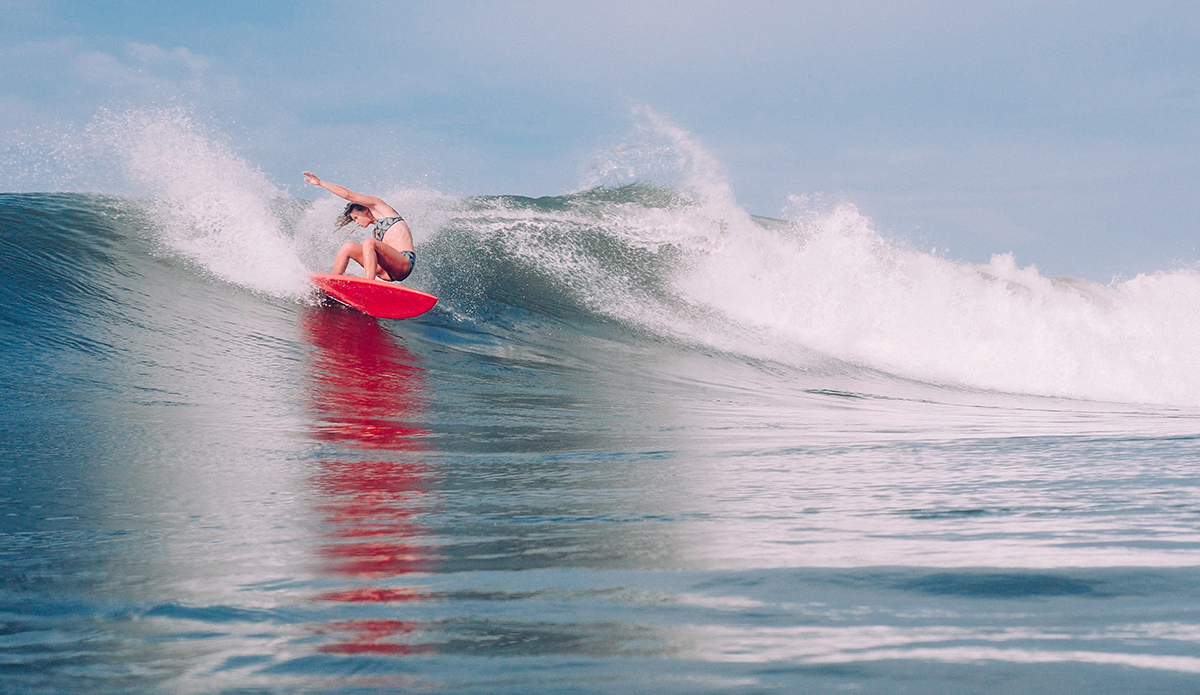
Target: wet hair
point(345, 219)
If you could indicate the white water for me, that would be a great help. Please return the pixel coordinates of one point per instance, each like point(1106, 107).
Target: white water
point(829, 282)
point(836, 286)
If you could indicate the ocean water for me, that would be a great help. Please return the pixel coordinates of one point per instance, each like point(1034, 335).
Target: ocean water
point(645, 442)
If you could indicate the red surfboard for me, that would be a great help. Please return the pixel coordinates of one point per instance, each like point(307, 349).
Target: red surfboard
point(383, 300)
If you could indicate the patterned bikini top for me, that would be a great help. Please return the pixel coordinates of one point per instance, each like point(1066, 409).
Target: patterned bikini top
point(381, 226)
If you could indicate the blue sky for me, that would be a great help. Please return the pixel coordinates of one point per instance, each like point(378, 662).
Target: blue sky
point(1064, 132)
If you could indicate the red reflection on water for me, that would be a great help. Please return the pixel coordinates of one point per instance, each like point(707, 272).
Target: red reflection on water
point(366, 387)
point(368, 395)
point(371, 635)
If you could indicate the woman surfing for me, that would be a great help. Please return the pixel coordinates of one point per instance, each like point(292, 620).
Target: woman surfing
point(387, 255)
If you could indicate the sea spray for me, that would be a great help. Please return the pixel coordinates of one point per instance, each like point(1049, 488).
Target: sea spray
point(209, 204)
point(660, 153)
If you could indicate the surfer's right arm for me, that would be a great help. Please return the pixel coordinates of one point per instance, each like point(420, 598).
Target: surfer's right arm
point(369, 201)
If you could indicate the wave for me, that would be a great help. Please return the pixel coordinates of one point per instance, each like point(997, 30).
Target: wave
point(681, 261)
point(824, 285)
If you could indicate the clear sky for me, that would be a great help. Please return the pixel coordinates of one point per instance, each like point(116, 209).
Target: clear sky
point(1064, 132)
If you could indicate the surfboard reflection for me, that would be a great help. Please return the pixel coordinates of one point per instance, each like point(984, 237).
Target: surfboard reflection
point(367, 389)
point(367, 398)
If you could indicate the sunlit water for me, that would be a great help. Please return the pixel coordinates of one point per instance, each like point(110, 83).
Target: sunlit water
point(596, 466)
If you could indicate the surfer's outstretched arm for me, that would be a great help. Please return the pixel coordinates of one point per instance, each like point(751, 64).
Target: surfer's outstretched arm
point(369, 201)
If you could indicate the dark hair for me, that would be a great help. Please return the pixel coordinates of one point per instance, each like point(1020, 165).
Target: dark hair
point(344, 219)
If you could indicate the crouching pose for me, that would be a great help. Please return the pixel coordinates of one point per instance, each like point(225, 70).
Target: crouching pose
point(389, 253)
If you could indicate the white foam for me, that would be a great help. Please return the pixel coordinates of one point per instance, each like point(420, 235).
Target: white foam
point(209, 203)
point(837, 286)
point(829, 282)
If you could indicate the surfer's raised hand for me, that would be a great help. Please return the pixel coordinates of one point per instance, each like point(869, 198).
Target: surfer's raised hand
point(377, 207)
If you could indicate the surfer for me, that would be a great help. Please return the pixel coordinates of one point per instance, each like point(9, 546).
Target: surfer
point(389, 253)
